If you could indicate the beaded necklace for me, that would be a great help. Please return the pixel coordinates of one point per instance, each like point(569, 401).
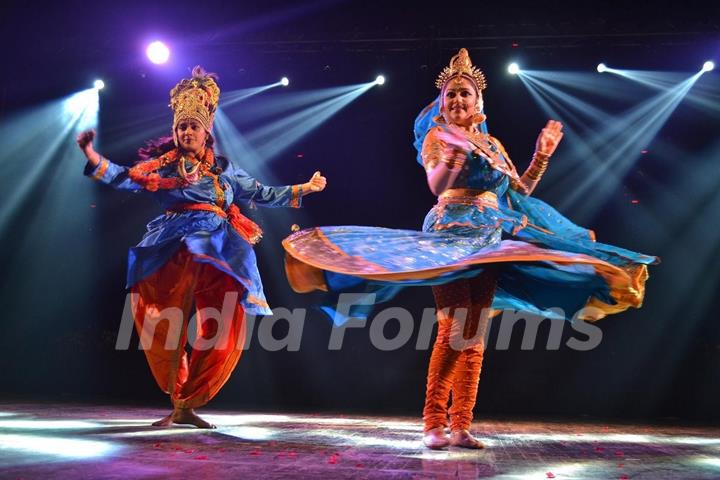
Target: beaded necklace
point(146, 173)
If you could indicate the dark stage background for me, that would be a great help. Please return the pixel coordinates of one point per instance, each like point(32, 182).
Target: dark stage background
point(63, 257)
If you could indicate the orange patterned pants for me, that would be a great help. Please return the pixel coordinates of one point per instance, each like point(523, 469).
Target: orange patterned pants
point(456, 360)
point(163, 305)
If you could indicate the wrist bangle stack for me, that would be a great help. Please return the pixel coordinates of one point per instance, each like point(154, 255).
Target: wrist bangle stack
point(538, 165)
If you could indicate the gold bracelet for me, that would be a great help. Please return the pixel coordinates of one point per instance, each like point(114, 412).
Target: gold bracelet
point(538, 165)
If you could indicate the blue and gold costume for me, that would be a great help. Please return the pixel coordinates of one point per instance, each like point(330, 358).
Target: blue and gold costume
point(486, 246)
point(208, 235)
point(197, 256)
point(545, 261)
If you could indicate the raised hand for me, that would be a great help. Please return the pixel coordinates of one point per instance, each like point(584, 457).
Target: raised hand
point(317, 183)
point(85, 138)
point(549, 138)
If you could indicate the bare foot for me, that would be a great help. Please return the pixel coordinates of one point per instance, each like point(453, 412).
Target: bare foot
point(436, 439)
point(183, 416)
point(463, 438)
point(187, 416)
point(163, 422)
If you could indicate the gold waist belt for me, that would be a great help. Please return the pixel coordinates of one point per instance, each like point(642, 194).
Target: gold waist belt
point(468, 196)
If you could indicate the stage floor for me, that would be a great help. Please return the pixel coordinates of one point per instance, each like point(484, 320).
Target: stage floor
point(107, 442)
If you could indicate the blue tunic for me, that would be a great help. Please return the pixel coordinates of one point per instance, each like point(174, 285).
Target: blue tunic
point(208, 236)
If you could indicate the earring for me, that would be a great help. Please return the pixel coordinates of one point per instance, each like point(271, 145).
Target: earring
point(478, 117)
point(439, 119)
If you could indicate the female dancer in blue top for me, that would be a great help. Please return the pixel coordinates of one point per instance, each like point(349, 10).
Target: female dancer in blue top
point(486, 246)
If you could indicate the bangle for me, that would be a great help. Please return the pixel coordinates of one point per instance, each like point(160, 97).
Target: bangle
point(538, 165)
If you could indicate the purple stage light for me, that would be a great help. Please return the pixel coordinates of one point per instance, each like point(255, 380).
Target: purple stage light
point(158, 52)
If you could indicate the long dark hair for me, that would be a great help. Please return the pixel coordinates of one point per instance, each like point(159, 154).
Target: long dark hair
point(158, 146)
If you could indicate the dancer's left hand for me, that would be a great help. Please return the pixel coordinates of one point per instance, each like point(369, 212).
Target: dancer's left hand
point(549, 138)
point(316, 184)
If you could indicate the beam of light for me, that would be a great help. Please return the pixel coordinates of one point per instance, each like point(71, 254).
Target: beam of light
point(576, 155)
point(619, 147)
point(605, 86)
point(232, 144)
point(47, 424)
point(231, 420)
point(644, 114)
point(609, 438)
point(341, 437)
point(601, 68)
point(611, 151)
point(713, 462)
point(380, 80)
point(284, 81)
point(708, 66)
point(280, 103)
point(47, 197)
point(157, 52)
point(250, 433)
point(87, 108)
point(131, 128)
point(146, 431)
point(569, 102)
point(235, 96)
point(656, 80)
point(552, 107)
point(99, 84)
point(274, 138)
point(403, 426)
point(513, 68)
point(579, 151)
point(57, 446)
point(41, 134)
point(448, 455)
point(705, 95)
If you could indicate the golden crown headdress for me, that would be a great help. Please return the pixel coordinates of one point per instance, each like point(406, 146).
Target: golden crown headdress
point(461, 64)
point(195, 98)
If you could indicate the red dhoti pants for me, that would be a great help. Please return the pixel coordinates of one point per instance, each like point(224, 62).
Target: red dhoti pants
point(463, 317)
point(163, 306)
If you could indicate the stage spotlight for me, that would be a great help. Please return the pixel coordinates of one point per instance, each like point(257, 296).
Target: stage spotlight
point(513, 68)
point(708, 66)
point(284, 81)
point(601, 68)
point(157, 52)
point(99, 84)
point(380, 80)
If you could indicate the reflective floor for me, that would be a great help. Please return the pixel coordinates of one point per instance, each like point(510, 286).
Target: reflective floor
point(80, 441)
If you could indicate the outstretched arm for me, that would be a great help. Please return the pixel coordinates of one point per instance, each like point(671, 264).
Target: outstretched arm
point(247, 188)
point(101, 169)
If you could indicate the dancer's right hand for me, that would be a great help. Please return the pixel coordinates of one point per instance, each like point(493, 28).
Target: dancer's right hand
point(456, 147)
point(454, 139)
point(85, 139)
